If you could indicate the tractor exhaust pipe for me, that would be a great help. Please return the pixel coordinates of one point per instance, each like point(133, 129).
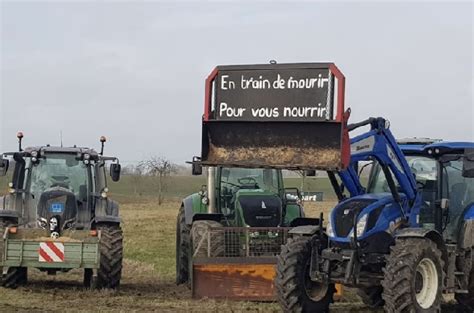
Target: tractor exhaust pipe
point(211, 189)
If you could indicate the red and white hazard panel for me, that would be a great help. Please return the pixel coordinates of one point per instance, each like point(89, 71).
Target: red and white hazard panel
point(51, 252)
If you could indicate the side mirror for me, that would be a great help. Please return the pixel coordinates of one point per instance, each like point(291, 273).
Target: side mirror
point(196, 167)
point(4, 166)
point(310, 173)
point(468, 164)
point(115, 169)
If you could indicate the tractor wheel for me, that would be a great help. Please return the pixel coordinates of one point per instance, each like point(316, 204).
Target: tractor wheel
point(89, 279)
point(111, 253)
point(413, 277)
point(182, 249)
point(15, 276)
point(372, 296)
point(296, 292)
point(467, 299)
point(3, 225)
point(199, 235)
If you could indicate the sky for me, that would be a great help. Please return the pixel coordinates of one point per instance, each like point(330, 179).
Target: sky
point(135, 71)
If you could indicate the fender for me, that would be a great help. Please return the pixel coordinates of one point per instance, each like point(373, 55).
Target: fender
point(466, 229)
point(208, 217)
point(188, 209)
point(466, 234)
point(5, 212)
point(302, 221)
point(305, 230)
point(107, 211)
point(429, 234)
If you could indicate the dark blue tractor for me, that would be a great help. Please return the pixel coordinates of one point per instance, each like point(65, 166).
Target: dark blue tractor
point(402, 240)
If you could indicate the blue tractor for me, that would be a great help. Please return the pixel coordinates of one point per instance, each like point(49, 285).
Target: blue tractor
point(403, 240)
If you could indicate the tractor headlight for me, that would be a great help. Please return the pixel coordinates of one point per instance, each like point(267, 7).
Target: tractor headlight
point(361, 225)
point(254, 234)
point(272, 234)
point(329, 230)
point(34, 154)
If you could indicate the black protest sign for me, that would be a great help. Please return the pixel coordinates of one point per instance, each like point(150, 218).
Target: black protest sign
point(274, 94)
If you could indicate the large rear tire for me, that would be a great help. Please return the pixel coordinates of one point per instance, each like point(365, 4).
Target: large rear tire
point(199, 235)
point(183, 244)
point(111, 254)
point(413, 277)
point(467, 299)
point(295, 290)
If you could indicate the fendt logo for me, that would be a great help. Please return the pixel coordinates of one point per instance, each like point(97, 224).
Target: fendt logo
point(263, 205)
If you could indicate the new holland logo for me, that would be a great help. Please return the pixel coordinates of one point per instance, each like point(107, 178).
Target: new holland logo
point(263, 205)
point(51, 252)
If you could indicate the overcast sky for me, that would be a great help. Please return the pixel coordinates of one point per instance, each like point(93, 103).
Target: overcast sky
point(134, 71)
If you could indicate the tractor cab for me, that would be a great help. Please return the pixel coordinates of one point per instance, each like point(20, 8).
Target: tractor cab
point(57, 215)
point(446, 187)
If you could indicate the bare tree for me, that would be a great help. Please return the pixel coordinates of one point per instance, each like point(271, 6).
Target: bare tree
point(160, 168)
point(302, 174)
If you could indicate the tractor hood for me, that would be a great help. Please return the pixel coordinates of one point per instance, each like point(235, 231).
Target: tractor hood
point(374, 213)
point(57, 210)
point(258, 208)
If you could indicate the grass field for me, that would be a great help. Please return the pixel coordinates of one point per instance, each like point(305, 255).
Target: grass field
point(149, 267)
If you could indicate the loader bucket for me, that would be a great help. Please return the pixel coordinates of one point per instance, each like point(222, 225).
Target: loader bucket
point(275, 115)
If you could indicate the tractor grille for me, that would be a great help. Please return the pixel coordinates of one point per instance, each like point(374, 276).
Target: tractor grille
point(243, 242)
point(261, 211)
point(344, 216)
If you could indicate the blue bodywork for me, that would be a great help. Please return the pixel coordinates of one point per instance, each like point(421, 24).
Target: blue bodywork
point(378, 144)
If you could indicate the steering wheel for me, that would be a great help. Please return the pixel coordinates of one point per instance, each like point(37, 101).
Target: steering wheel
point(229, 183)
point(247, 181)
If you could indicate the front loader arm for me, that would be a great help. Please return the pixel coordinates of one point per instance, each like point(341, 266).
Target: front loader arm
point(379, 144)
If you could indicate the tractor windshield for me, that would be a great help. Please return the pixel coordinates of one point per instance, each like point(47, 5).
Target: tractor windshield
point(59, 170)
point(426, 174)
point(250, 178)
point(424, 168)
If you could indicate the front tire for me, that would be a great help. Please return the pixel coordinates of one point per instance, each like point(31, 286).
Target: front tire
point(183, 244)
point(413, 277)
point(111, 254)
point(295, 290)
point(199, 234)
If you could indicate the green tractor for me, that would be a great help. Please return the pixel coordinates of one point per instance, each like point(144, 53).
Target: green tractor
point(240, 214)
point(57, 215)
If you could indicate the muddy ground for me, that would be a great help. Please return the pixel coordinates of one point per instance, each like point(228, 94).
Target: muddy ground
point(148, 276)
